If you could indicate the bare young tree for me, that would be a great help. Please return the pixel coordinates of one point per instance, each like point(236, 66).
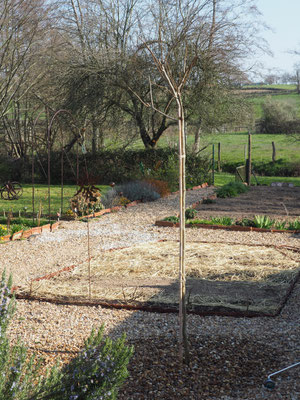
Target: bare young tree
point(190, 38)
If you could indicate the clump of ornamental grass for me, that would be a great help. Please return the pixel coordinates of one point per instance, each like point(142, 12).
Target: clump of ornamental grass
point(136, 190)
point(96, 373)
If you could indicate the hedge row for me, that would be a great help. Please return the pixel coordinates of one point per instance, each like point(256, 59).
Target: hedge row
point(277, 168)
point(110, 166)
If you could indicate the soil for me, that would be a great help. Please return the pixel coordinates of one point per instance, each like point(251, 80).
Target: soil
point(276, 202)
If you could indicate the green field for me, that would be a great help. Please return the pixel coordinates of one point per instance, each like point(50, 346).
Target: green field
point(275, 86)
point(233, 146)
point(41, 199)
point(257, 101)
point(223, 178)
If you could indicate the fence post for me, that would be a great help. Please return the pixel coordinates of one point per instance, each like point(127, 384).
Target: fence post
point(213, 164)
point(273, 152)
point(248, 163)
point(219, 157)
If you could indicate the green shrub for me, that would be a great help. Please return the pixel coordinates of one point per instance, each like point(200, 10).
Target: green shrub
point(190, 213)
point(277, 168)
point(97, 372)
point(173, 218)
point(278, 117)
point(232, 189)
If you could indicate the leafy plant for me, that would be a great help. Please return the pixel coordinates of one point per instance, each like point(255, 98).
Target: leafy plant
point(86, 200)
point(3, 230)
point(200, 221)
point(190, 213)
point(97, 372)
point(263, 221)
point(294, 225)
point(232, 189)
point(280, 225)
point(173, 218)
point(226, 221)
point(16, 228)
point(245, 222)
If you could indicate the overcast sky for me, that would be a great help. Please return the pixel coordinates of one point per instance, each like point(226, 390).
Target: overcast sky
point(283, 16)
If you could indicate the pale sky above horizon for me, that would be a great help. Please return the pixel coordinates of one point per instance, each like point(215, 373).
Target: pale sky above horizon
point(283, 16)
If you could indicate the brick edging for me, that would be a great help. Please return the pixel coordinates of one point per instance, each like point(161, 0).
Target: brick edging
point(24, 234)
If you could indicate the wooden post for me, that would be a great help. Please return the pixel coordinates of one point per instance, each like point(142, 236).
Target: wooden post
point(248, 164)
point(49, 171)
point(219, 157)
point(213, 164)
point(273, 152)
point(32, 173)
point(62, 175)
point(183, 340)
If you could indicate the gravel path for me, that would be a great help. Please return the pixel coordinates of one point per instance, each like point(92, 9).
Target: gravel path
point(230, 358)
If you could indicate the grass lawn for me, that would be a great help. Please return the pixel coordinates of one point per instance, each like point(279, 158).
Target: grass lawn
point(233, 147)
point(24, 203)
point(223, 178)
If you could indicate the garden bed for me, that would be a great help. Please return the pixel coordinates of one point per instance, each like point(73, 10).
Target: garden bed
point(277, 202)
point(223, 279)
point(239, 228)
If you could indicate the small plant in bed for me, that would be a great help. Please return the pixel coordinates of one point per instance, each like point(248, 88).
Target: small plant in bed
point(172, 218)
point(190, 213)
point(232, 189)
point(226, 221)
point(294, 225)
point(263, 221)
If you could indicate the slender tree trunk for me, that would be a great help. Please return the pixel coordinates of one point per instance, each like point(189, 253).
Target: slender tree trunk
point(183, 340)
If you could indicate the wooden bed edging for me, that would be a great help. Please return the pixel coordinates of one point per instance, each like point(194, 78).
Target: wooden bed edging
point(228, 228)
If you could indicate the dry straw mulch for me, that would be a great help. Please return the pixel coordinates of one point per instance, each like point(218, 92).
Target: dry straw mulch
point(255, 278)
